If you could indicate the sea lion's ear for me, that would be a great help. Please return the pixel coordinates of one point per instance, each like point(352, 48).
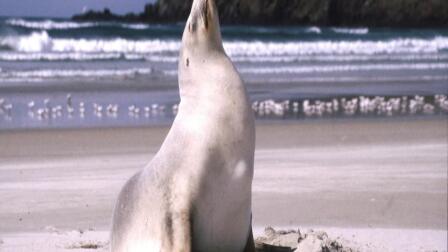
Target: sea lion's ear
point(192, 26)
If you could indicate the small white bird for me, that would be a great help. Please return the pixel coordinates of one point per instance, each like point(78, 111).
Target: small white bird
point(82, 108)
point(8, 109)
point(31, 104)
point(428, 109)
point(70, 109)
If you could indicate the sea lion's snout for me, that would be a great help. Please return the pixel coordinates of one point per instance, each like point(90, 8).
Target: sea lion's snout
point(202, 15)
point(202, 27)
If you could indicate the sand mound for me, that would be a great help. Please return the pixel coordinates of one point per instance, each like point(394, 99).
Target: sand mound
point(295, 240)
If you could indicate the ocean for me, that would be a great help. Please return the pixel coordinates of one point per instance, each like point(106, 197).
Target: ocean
point(57, 73)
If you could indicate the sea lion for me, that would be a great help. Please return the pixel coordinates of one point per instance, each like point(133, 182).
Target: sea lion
point(195, 195)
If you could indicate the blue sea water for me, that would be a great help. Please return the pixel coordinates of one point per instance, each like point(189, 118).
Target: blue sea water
point(126, 74)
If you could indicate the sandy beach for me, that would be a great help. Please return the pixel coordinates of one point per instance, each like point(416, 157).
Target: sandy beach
point(379, 184)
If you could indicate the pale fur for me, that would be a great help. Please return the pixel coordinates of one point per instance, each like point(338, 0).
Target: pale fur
point(195, 195)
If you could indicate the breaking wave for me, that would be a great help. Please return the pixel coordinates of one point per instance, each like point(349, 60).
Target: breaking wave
point(357, 31)
point(342, 68)
point(99, 56)
point(48, 24)
point(42, 42)
point(314, 29)
point(59, 73)
point(67, 25)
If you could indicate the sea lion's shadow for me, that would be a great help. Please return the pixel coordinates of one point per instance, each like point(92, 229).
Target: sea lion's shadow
point(263, 247)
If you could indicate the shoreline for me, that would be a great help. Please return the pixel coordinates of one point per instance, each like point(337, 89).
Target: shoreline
point(266, 138)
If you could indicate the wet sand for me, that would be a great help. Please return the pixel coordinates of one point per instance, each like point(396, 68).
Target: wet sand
point(354, 178)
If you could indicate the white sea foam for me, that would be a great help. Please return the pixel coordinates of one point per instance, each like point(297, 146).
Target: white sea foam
point(41, 42)
point(354, 79)
point(136, 26)
point(8, 56)
point(65, 25)
point(339, 58)
point(314, 29)
point(358, 31)
point(59, 73)
point(36, 42)
point(115, 45)
point(337, 47)
point(332, 68)
point(48, 24)
point(341, 68)
point(173, 58)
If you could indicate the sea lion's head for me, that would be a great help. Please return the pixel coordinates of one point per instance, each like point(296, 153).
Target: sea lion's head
point(201, 44)
point(202, 32)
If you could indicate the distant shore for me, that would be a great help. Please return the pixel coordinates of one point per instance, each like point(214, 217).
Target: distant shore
point(367, 13)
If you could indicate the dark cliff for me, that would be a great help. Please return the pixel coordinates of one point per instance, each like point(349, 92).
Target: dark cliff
point(373, 13)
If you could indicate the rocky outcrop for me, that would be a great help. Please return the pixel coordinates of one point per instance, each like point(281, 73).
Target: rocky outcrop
point(373, 13)
point(106, 15)
point(413, 13)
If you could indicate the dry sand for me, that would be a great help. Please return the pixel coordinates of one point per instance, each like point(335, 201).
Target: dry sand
point(380, 184)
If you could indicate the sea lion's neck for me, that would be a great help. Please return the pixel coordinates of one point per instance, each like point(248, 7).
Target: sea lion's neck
point(202, 60)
